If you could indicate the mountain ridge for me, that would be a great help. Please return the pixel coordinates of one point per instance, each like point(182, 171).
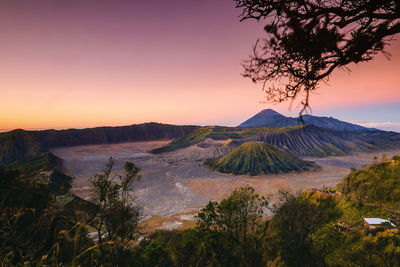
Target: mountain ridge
point(314, 141)
point(19, 144)
point(271, 118)
point(303, 140)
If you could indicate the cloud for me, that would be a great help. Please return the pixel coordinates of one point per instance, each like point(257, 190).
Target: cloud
point(383, 125)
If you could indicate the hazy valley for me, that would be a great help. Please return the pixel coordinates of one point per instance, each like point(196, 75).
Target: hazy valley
point(178, 182)
point(184, 167)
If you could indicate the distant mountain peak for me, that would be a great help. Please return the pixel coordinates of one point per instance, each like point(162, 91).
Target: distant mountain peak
point(270, 112)
point(271, 118)
point(264, 117)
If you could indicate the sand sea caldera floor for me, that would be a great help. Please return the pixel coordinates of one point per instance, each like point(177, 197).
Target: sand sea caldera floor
point(177, 183)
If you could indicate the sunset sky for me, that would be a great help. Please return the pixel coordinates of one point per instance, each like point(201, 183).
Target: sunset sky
point(81, 63)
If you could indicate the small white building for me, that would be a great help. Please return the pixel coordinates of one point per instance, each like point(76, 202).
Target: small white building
point(372, 223)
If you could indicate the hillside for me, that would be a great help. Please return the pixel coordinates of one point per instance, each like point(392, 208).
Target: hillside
point(109, 135)
point(302, 141)
point(319, 142)
point(199, 135)
point(18, 145)
point(271, 118)
point(258, 158)
point(219, 133)
point(378, 183)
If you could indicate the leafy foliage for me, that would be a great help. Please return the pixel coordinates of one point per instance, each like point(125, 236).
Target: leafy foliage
point(378, 183)
point(376, 248)
point(238, 221)
point(294, 222)
point(301, 232)
point(238, 214)
point(43, 224)
point(33, 227)
point(118, 215)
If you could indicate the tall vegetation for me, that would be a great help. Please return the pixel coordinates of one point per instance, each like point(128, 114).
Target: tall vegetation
point(42, 224)
point(238, 221)
point(295, 221)
point(302, 232)
point(34, 227)
point(378, 183)
point(37, 229)
point(118, 215)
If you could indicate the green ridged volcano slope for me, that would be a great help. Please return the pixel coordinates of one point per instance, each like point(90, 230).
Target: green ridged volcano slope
point(258, 158)
point(201, 134)
point(219, 133)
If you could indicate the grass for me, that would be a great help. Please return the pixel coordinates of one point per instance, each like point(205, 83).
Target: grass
point(351, 211)
point(377, 184)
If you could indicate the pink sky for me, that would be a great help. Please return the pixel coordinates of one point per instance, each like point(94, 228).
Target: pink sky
point(71, 63)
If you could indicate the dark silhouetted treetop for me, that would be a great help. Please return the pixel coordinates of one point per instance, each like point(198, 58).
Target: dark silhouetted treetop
point(308, 39)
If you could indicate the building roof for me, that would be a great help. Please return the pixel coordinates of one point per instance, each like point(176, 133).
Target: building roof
point(377, 221)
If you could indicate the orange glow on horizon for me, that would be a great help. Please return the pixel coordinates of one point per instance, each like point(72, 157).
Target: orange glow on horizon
point(72, 68)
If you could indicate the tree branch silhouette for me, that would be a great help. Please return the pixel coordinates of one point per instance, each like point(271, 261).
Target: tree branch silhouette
point(308, 39)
